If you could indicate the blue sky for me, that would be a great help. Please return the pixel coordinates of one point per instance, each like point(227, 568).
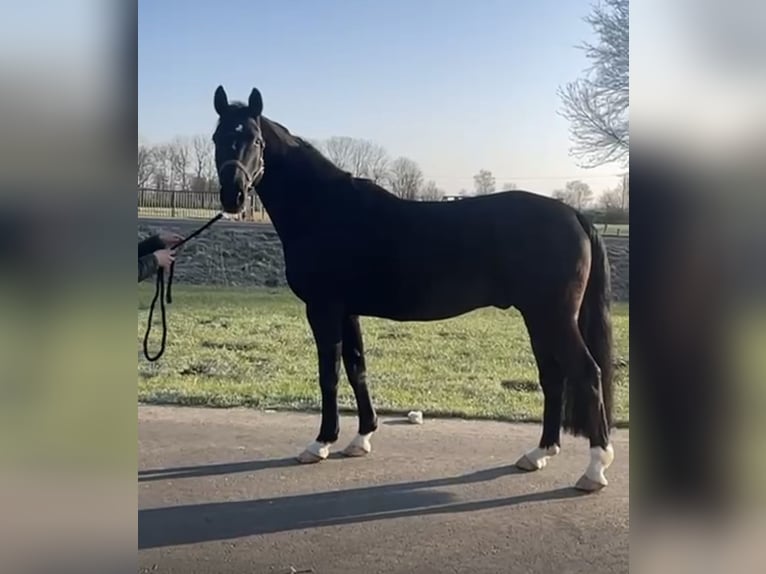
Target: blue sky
point(456, 86)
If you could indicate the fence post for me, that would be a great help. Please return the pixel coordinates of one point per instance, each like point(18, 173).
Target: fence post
point(172, 203)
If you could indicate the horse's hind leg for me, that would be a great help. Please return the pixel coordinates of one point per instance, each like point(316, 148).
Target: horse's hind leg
point(585, 413)
point(552, 382)
point(356, 370)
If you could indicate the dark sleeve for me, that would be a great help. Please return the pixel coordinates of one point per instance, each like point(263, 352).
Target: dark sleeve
point(147, 266)
point(150, 245)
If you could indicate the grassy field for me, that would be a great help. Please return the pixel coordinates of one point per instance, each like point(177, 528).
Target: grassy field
point(253, 348)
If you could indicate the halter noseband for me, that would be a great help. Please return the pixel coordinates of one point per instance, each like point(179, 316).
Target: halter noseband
point(251, 180)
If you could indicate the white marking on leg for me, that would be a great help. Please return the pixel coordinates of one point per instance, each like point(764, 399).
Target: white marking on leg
point(321, 449)
point(537, 458)
point(315, 452)
point(360, 446)
point(600, 460)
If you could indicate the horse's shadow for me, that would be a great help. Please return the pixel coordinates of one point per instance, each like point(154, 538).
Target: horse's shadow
point(190, 524)
point(199, 471)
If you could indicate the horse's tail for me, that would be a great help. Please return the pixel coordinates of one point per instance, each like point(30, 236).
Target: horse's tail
point(595, 324)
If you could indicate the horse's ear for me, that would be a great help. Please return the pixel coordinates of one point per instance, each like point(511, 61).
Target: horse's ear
point(255, 103)
point(220, 101)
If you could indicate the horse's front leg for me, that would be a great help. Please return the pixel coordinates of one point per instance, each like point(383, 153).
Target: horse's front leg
point(326, 324)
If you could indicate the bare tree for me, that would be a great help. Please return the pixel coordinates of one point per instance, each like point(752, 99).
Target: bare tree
point(581, 192)
point(611, 199)
point(597, 104)
point(162, 171)
point(577, 194)
point(509, 186)
point(339, 150)
point(146, 165)
point(204, 164)
point(180, 162)
point(361, 158)
point(405, 178)
point(376, 162)
point(625, 188)
point(484, 182)
point(431, 192)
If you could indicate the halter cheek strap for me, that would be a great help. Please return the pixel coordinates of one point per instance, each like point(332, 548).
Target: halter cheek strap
point(238, 165)
point(252, 180)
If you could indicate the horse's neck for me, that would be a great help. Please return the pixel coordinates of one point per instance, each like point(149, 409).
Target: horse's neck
point(292, 194)
point(301, 188)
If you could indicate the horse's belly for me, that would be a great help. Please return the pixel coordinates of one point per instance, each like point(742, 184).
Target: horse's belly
point(408, 301)
point(429, 313)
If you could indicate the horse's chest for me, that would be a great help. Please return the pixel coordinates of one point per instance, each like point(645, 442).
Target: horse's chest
point(311, 270)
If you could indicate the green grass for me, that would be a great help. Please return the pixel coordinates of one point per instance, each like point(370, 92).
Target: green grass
point(236, 347)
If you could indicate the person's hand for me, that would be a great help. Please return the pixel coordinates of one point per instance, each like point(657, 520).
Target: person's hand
point(165, 258)
point(170, 240)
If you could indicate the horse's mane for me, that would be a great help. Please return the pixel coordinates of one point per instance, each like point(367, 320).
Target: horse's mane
point(295, 146)
point(279, 137)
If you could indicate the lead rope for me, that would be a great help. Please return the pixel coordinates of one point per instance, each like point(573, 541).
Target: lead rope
point(159, 293)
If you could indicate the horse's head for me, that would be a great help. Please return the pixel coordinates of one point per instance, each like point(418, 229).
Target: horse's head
point(239, 148)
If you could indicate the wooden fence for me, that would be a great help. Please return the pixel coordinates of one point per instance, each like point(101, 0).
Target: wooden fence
point(186, 204)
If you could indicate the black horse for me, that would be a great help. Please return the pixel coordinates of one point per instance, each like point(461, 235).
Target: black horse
point(353, 249)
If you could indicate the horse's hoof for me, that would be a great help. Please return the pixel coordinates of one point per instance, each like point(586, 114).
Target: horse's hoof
point(308, 457)
point(525, 463)
point(314, 453)
point(360, 446)
point(537, 458)
point(354, 450)
point(594, 479)
point(586, 484)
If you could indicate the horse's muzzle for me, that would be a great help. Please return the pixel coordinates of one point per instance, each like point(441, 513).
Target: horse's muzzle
point(232, 200)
